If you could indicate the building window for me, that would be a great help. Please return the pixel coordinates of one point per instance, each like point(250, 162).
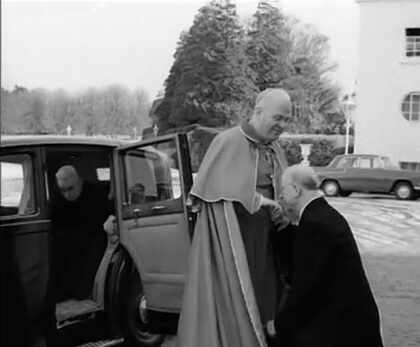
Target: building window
point(411, 106)
point(412, 42)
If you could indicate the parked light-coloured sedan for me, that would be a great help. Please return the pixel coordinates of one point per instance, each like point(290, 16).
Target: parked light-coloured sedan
point(368, 174)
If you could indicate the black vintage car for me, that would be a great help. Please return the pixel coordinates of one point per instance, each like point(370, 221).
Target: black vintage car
point(367, 174)
point(142, 272)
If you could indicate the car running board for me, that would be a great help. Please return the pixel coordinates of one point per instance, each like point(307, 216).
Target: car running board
point(103, 343)
point(73, 311)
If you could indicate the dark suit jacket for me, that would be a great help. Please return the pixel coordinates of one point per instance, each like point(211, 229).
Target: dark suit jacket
point(330, 303)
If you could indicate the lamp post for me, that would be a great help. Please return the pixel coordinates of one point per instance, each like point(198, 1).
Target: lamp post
point(348, 107)
point(68, 130)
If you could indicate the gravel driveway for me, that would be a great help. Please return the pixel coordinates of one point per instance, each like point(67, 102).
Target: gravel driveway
point(388, 234)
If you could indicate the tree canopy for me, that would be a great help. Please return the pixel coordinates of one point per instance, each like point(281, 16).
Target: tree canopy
point(210, 81)
point(220, 65)
point(112, 110)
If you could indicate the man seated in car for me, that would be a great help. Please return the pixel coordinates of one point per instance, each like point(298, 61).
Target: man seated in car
point(79, 240)
point(137, 194)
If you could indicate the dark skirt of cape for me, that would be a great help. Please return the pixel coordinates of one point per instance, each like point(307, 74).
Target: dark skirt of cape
point(256, 230)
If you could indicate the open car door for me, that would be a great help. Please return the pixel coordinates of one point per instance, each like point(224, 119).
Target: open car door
point(152, 180)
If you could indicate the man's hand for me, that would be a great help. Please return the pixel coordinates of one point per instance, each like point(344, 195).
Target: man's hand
point(110, 226)
point(270, 203)
point(277, 212)
point(194, 204)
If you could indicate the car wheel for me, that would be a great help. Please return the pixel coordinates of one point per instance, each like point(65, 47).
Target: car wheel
point(330, 188)
point(135, 323)
point(403, 191)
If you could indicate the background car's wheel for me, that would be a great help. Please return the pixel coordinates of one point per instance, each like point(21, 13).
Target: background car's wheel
point(403, 191)
point(330, 188)
point(134, 323)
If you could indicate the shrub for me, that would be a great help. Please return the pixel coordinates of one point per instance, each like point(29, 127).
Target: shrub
point(292, 150)
point(322, 152)
point(341, 150)
point(199, 140)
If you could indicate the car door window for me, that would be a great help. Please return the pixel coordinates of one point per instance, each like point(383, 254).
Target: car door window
point(17, 186)
point(345, 162)
point(377, 163)
point(363, 163)
point(152, 174)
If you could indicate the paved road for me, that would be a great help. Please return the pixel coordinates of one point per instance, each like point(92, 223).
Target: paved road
point(388, 234)
point(382, 225)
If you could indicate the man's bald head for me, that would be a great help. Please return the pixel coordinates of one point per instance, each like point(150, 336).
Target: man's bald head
point(273, 97)
point(69, 182)
point(303, 176)
point(66, 172)
point(272, 113)
point(298, 184)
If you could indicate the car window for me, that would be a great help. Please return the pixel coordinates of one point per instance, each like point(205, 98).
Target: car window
point(388, 164)
point(344, 162)
point(363, 163)
point(103, 174)
point(17, 189)
point(152, 173)
point(377, 163)
point(91, 163)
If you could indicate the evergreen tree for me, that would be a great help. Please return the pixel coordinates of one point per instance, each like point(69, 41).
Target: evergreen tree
point(285, 53)
point(268, 46)
point(210, 82)
point(315, 97)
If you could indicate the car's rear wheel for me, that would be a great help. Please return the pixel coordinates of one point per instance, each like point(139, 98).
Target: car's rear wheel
point(135, 325)
point(330, 188)
point(404, 191)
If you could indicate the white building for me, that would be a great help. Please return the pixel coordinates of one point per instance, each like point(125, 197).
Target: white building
point(387, 117)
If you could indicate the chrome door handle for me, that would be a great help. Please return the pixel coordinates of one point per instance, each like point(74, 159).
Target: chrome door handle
point(158, 208)
point(136, 213)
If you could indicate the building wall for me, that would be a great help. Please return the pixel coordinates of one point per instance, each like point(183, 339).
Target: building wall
point(385, 76)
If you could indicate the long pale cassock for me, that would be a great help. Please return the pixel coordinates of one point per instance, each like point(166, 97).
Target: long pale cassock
point(232, 288)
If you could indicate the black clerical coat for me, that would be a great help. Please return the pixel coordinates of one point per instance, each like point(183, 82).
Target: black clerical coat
point(79, 240)
point(330, 303)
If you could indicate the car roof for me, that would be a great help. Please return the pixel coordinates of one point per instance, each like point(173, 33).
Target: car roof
point(361, 155)
point(35, 140)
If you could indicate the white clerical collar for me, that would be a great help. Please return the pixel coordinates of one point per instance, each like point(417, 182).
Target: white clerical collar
point(319, 195)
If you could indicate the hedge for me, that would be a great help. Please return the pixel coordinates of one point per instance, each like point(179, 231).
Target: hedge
point(322, 150)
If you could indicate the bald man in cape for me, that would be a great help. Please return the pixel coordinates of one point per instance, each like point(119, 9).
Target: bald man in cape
point(232, 291)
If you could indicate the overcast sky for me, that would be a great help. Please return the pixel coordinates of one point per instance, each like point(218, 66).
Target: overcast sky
point(74, 45)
